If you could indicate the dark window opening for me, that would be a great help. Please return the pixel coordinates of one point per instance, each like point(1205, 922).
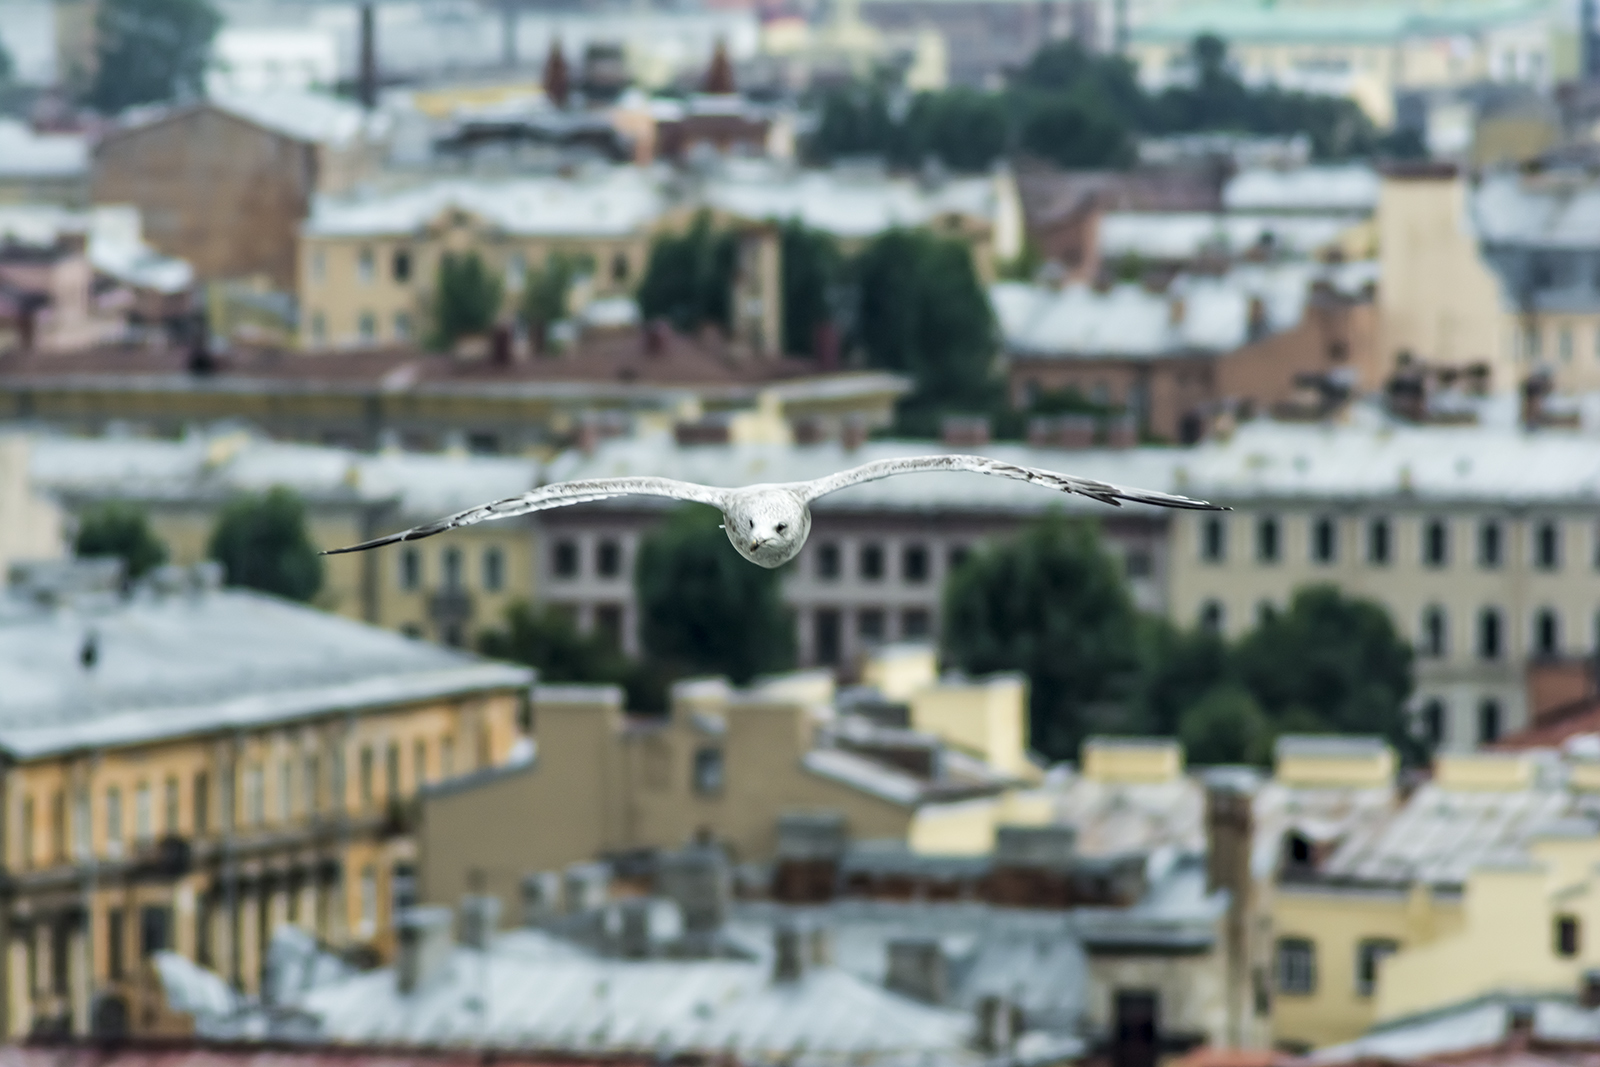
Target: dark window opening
point(1433, 722)
point(401, 265)
point(1489, 547)
point(116, 940)
point(1567, 932)
point(871, 562)
point(1213, 541)
point(1488, 721)
point(1369, 954)
point(914, 563)
point(827, 561)
point(1433, 632)
point(1547, 633)
point(1267, 540)
point(608, 623)
point(826, 623)
point(564, 560)
point(1297, 966)
point(155, 929)
point(1378, 542)
point(1324, 541)
point(1547, 546)
point(608, 559)
point(1436, 544)
point(1211, 616)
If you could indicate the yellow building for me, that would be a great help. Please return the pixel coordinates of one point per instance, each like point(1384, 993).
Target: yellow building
point(1479, 883)
point(725, 765)
point(188, 768)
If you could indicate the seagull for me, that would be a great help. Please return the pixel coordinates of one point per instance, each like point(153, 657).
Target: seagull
point(769, 524)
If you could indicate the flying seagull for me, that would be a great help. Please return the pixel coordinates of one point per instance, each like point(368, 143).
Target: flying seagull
point(769, 524)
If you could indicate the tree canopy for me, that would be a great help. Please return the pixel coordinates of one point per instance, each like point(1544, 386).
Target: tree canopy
point(544, 294)
point(467, 297)
point(1052, 604)
point(150, 51)
point(262, 544)
point(814, 285)
point(689, 277)
point(547, 639)
point(123, 530)
point(704, 609)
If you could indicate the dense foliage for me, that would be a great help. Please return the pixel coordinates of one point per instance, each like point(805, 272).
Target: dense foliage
point(262, 543)
point(123, 530)
point(466, 298)
point(703, 609)
point(150, 51)
point(689, 278)
point(544, 294)
point(1080, 109)
point(1052, 604)
point(546, 638)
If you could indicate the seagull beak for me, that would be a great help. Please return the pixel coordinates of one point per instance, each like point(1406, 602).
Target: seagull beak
point(757, 543)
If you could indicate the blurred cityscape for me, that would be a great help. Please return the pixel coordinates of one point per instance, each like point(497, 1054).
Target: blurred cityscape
point(988, 776)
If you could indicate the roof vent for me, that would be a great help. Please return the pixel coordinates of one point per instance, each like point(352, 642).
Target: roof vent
point(424, 936)
point(918, 968)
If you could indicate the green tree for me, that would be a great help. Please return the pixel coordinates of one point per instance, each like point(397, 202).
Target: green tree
point(1329, 662)
point(544, 294)
point(853, 121)
point(962, 128)
point(1072, 131)
point(702, 608)
point(546, 638)
point(689, 278)
point(120, 529)
point(813, 272)
point(149, 51)
point(467, 297)
point(1226, 726)
point(923, 312)
point(261, 542)
point(1052, 604)
point(1174, 666)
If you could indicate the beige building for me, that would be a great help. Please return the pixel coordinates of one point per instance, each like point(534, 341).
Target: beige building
point(32, 524)
point(1481, 544)
point(242, 763)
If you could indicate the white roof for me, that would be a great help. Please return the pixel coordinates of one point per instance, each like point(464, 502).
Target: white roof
point(613, 202)
point(1182, 235)
point(186, 664)
point(530, 991)
point(1348, 188)
point(1560, 213)
point(305, 115)
point(116, 245)
point(845, 203)
point(25, 154)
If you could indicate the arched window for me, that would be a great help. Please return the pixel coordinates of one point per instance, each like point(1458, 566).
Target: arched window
point(1489, 633)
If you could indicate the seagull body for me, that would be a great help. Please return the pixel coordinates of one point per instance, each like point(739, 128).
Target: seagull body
point(769, 524)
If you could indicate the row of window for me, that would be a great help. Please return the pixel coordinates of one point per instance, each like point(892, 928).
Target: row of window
point(1379, 548)
point(452, 569)
point(298, 794)
point(1433, 722)
point(1529, 344)
point(1297, 957)
point(401, 267)
point(872, 627)
point(400, 327)
point(566, 559)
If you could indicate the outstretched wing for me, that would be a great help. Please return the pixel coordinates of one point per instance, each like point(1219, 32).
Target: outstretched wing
point(552, 496)
point(1066, 483)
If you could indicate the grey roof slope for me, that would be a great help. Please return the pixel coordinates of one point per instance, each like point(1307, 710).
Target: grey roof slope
point(177, 665)
point(1473, 1024)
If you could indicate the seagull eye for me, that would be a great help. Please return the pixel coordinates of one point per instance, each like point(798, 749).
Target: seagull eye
point(782, 526)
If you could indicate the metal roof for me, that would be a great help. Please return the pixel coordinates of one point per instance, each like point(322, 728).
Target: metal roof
point(1351, 187)
point(26, 154)
point(1187, 235)
point(200, 661)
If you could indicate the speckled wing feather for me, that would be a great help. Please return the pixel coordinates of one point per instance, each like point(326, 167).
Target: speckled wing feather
point(552, 496)
point(1066, 483)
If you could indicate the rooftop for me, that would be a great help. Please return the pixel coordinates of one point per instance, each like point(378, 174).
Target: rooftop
point(1167, 236)
point(26, 154)
point(1351, 188)
point(843, 202)
point(305, 115)
point(1454, 1032)
point(116, 244)
point(196, 660)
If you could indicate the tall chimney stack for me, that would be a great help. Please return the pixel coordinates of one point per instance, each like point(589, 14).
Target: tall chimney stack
point(369, 56)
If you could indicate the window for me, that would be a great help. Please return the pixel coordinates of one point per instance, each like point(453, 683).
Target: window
point(1213, 540)
point(915, 624)
point(1433, 722)
point(410, 568)
point(1297, 966)
point(202, 804)
point(1369, 954)
point(58, 826)
point(708, 770)
point(825, 626)
point(366, 777)
point(230, 795)
point(367, 326)
point(170, 821)
point(310, 780)
point(1211, 616)
point(1324, 541)
point(608, 559)
point(1489, 546)
point(155, 929)
point(391, 772)
point(400, 265)
point(608, 623)
point(564, 559)
point(869, 625)
point(1434, 640)
point(1488, 721)
point(144, 822)
point(494, 570)
point(1267, 540)
point(27, 831)
point(285, 790)
point(1546, 633)
point(1489, 634)
point(1436, 543)
point(365, 266)
point(827, 561)
point(451, 560)
point(116, 942)
point(871, 562)
point(1566, 936)
point(1547, 546)
point(1378, 542)
point(914, 563)
point(368, 922)
point(113, 818)
point(402, 325)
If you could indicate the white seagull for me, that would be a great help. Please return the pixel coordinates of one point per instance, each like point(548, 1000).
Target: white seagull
point(769, 524)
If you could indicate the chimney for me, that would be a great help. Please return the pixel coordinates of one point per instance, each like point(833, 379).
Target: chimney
point(998, 1024)
point(918, 969)
point(479, 919)
point(638, 926)
point(586, 885)
point(719, 76)
point(1534, 391)
point(1589, 989)
point(557, 80)
point(424, 946)
point(788, 957)
point(699, 881)
point(368, 74)
point(541, 898)
point(964, 431)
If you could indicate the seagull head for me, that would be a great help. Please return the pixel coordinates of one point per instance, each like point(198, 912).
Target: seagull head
point(767, 526)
